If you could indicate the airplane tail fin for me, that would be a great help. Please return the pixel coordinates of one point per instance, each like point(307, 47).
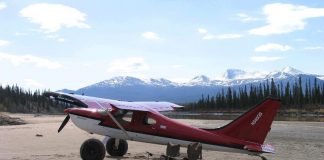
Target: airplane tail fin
point(253, 125)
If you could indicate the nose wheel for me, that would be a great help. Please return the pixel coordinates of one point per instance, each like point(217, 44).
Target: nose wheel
point(92, 149)
point(116, 147)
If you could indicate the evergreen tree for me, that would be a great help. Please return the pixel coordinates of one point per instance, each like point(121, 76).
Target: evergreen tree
point(273, 91)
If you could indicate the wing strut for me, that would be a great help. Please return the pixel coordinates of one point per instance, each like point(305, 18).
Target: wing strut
point(116, 122)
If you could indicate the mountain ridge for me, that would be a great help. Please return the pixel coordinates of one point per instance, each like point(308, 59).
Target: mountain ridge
point(132, 88)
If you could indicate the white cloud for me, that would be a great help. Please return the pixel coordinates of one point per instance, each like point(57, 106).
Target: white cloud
point(56, 37)
point(246, 18)
point(25, 59)
point(222, 36)
point(314, 48)
point(33, 83)
point(202, 30)
point(284, 18)
point(2, 5)
point(129, 65)
point(86, 64)
point(53, 17)
point(151, 35)
point(209, 36)
point(60, 40)
point(272, 47)
point(264, 59)
point(4, 43)
point(52, 36)
point(176, 66)
point(229, 36)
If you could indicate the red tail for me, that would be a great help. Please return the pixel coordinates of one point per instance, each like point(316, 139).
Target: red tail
point(255, 124)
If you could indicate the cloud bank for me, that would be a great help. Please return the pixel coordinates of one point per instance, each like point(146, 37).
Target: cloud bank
point(272, 47)
point(284, 18)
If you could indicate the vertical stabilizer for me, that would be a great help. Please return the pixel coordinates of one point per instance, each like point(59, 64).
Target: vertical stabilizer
point(255, 124)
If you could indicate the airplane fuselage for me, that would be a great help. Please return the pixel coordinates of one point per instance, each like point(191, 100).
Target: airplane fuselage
point(161, 131)
point(141, 121)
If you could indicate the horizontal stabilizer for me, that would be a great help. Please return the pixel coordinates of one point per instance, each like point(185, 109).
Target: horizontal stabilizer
point(266, 148)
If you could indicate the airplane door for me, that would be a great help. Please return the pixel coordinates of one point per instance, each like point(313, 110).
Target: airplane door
point(146, 127)
point(151, 124)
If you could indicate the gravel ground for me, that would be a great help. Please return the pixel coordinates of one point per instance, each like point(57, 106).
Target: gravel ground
point(39, 140)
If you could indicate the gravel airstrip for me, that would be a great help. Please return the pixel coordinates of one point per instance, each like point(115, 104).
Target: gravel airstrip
point(39, 140)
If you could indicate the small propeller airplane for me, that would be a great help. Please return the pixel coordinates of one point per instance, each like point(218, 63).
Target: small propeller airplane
point(120, 121)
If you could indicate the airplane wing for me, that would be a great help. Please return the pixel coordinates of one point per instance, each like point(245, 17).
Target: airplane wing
point(102, 103)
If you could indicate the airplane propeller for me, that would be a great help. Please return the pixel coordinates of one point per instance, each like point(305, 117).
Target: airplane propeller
point(67, 118)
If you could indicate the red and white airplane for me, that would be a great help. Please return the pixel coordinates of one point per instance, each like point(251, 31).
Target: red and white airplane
point(141, 121)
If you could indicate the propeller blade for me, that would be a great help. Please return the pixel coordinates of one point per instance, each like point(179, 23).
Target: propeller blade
point(67, 118)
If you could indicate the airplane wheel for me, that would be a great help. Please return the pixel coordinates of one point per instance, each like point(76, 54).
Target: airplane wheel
point(92, 149)
point(116, 151)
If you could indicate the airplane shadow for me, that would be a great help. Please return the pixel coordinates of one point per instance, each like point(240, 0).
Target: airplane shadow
point(118, 158)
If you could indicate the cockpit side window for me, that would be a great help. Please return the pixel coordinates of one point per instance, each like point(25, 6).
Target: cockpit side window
point(149, 120)
point(124, 116)
point(128, 117)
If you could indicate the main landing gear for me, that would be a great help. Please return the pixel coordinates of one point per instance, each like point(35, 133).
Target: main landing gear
point(116, 147)
point(93, 149)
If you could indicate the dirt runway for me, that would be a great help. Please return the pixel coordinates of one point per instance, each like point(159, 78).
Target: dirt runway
point(39, 140)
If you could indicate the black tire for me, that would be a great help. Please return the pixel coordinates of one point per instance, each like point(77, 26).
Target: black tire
point(92, 149)
point(113, 151)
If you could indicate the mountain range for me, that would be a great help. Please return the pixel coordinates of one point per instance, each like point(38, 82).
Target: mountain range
point(135, 89)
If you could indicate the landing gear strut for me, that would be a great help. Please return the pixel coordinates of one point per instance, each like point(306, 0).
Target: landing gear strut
point(92, 149)
point(116, 147)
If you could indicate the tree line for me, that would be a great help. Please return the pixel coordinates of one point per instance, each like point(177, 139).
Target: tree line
point(15, 99)
point(299, 94)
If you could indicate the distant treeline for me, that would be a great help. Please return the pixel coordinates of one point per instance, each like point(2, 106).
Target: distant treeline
point(298, 95)
point(308, 95)
point(16, 99)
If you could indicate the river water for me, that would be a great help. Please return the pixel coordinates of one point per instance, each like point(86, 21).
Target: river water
point(232, 116)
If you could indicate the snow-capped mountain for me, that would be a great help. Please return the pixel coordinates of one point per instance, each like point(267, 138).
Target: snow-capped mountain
point(200, 80)
point(131, 88)
point(132, 81)
point(284, 73)
point(234, 74)
point(160, 82)
point(120, 81)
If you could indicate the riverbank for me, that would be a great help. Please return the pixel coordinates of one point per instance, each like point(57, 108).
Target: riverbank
point(8, 120)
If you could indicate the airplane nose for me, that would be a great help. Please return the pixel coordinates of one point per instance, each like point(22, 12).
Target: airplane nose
point(67, 110)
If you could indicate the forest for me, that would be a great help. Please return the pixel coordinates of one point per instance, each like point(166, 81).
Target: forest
point(307, 95)
point(15, 99)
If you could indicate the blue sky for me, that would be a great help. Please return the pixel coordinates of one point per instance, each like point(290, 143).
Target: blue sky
point(71, 44)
